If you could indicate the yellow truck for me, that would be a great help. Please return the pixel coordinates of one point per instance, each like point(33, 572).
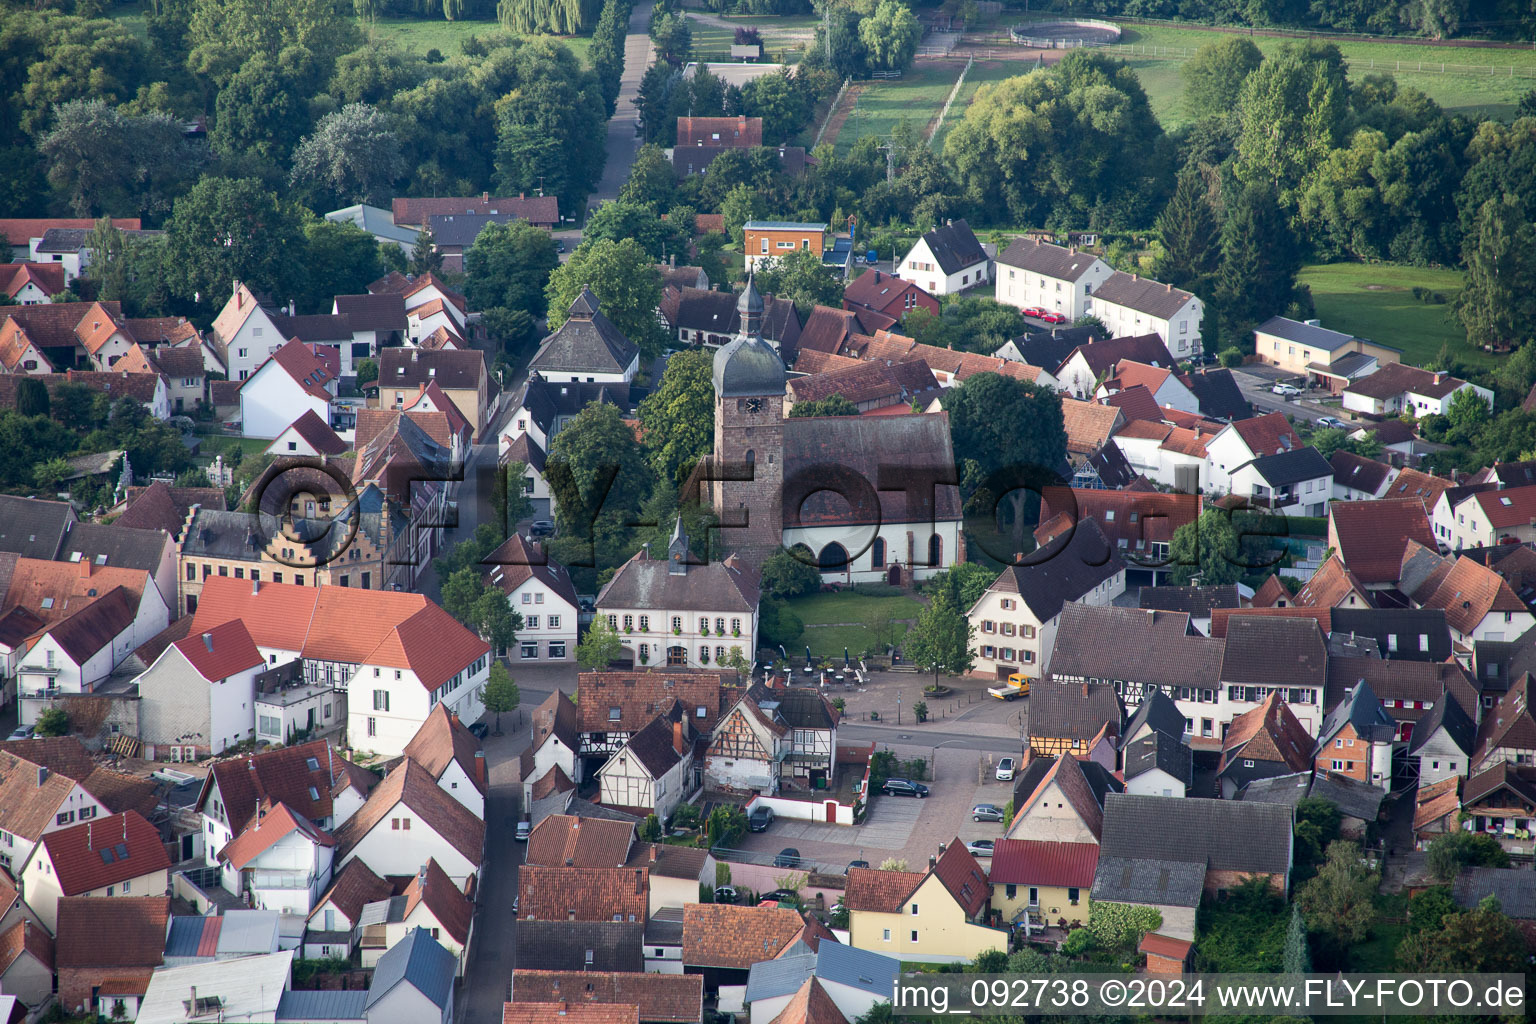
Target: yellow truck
point(1017, 686)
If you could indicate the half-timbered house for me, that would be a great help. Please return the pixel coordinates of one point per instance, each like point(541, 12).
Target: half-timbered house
point(748, 749)
point(812, 723)
point(612, 706)
point(654, 770)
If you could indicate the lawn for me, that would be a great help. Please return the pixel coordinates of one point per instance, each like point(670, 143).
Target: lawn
point(1375, 301)
point(917, 96)
point(780, 35)
point(1378, 953)
point(418, 35)
point(1475, 80)
point(834, 621)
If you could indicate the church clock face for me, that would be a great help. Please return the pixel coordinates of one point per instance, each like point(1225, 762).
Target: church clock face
point(754, 405)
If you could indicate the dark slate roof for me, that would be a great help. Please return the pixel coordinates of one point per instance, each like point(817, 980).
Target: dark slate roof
point(1142, 294)
point(587, 342)
point(1514, 887)
point(1115, 471)
point(461, 229)
point(652, 747)
point(1049, 349)
point(1397, 631)
point(1304, 334)
point(1197, 601)
point(410, 367)
point(1363, 710)
point(419, 961)
point(309, 1006)
point(1274, 650)
point(1292, 467)
point(1355, 799)
point(697, 309)
point(1358, 472)
point(1062, 571)
point(867, 448)
point(383, 312)
point(1046, 259)
point(123, 547)
point(1073, 710)
point(1159, 750)
point(716, 586)
point(1447, 715)
point(1155, 648)
point(1224, 835)
point(747, 366)
point(564, 945)
point(32, 528)
point(955, 246)
point(1218, 394)
point(1159, 713)
point(1167, 883)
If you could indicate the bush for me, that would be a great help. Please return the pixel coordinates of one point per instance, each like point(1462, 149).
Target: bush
point(1078, 942)
point(650, 829)
point(686, 816)
point(53, 722)
point(1230, 357)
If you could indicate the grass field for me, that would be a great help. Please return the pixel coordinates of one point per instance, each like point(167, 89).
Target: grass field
point(836, 621)
point(1375, 300)
point(917, 96)
point(779, 34)
point(418, 35)
point(982, 73)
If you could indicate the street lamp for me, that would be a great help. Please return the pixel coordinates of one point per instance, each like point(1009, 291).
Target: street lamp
point(898, 708)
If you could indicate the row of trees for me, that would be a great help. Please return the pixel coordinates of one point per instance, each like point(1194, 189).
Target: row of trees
point(1434, 19)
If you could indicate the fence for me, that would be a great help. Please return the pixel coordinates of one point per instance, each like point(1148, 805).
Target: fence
point(939, 123)
point(831, 110)
point(1353, 63)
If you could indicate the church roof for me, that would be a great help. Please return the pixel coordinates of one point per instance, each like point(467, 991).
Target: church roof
point(865, 451)
point(748, 366)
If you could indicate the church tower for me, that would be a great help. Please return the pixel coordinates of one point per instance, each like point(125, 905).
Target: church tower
point(749, 434)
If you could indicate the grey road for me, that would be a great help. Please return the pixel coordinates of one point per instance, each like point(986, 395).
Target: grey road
point(474, 501)
point(623, 142)
point(1256, 387)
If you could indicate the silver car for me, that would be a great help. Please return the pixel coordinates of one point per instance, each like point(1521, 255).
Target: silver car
point(986, 812)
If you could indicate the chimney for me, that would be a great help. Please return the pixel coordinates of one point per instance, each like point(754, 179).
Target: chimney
point(1135, 277)
point(208, 642)
point(639, 881)
point(1170, 287)
point(932, 861)
point(1085, 689)
point(480, 766)
point(653, 853)
point(672, 260)
point(290, 307)
point(485, 197)
point(677, 737)
point(877, 277)
point(194, 999)
point(42, 774)
point(85, 566)
point(88, 836)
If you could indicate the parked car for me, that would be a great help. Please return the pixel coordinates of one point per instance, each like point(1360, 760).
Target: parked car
point(1050, 316)
point(980, 847)
point(22, 732)
point(541, 528)
point(986, 812)
point(725, 894)
point(780, 896)
point(1287, 390)
point(760, 819)
point(1005, 770)
point(855, 864)
point(1332, 422)
point(523, 828)
point(904, 787)
point(789, 857)
point(479, 729)
point(1035, 311)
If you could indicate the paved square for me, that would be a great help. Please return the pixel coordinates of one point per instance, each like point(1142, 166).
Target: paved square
point(888, 827)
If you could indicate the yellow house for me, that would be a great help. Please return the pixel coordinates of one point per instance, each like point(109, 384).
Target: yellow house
point(1042, 882)
point(928, 917)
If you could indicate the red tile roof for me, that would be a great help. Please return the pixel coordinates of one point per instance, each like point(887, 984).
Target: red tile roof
point(318, 434)
point(662, 998)
point(308, 370)
point(1513, 506)
point(1332, 586)
point(882, 892)
point(1371, 535)
point(443, 740)
point(347, 624)
point(270, 825)
point(25, 937)
point(49, 277)
point(105, 851)
point(136, 926)
point(565, 840)
point(1268, 434)
point(353, 888)
point(84, 632)
point(1036, 862)
point(1140, 518)
point(410, 784)
point(67, 587)
point(1136, 402)
point(960, 873)
point(1158, 944)
point(727, 935)
point(810, 1005)
point(1270, 732)
point(1471, 591)
point(20, 231)
point(582, 894)
point(445, 901)
point(220, 652)
point(1220, 616)
point(569, 1013)
point(283, 775)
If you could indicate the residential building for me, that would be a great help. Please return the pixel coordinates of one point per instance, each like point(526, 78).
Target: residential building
point(855, 981)
point(946, 260)
point(1016, 619)
point(1359, 479)
point(199, 695)
point(1397, 388)
point(925, 917)
point(705, 317)
point(887, 294)
point(661, 998)
point(1408, 690)
point(280, 861)
point(1356, 739)
point(309, 435)
point(812, 723)
point(1359, 803)
point(1061, 800)
point(1166, 388)
point(415, 211)
point(1081, 372)
point(675, 874)
point(556, 741)
point(245, 333)
point(1037, 275)
point(1293, 483)
point(1307, 348)
point(249, 989)
point(1263, 743)
point(540, 590)
point(612, 706)
point(32, 284)
point(36, 800)
point(1436, 810)
point(747, 750)
point(1158, 764)
point(1080, 719)
point(395, 655)
point(27, 963)
point(76, 654)
point(565, 945)
point(1139, 524)
point(564, 840)
point(724, 132)
point(1129, 304)
point(119, 855)
point(1042, 882)
point(1507, 732)
point(1267, 654)
point(681, 613)
point(1371, 536)
point(1478, 603)
point(451, 755)
point(409, 801)
point(655, 768)
point(1197, 602)
point(412, 983)
point(1443, 742)
point(1240, 443)
point(335, 925)
point(1333, 586)
point(378, 222)
point(768, 239)
point(1500, 800)
point(581, 894)
point(587, 347)
point(99, 977)
point(462, 376)
point(292, 381)
point(1487, 518)
point(430, 902)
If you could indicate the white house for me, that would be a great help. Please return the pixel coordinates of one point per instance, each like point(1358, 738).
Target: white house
point(556, 742)
point(675, 613)
point(310, 435)
point(451, 755)
point(397, 655)
point(587, 347)
point(334, 925)
point(1443, 742)
point(412, 983)
point(1356, 478)
point(1238, 443)
point(408, 821)
point(79, 651)
point(1398, 388)
point(535, 487)
point(36, 801)
point(540, 590)
point(1171, 456)
point(1129, 304)
point(1015, 620)
point(426, 319)
point(247, 988)
point(747, 749)
point(281, 861)
point(120, 855)
point(200, 693)
point(1479, 604)
point(1491, 517)
point(430, 902)
point(18, 353)
point(292, 381)
point(447, 307)
point(1087, 365)
point(245, 334)
point(653, 771)
point(1294, 483)
point(1168, 391)
point(1038, 275)
point(855, 980)
point(947, 260)
point(1157, 764)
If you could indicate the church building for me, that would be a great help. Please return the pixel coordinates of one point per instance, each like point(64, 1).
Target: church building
point(874, 498)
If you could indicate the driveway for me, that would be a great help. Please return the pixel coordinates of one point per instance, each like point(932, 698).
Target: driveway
point(1257, 384)
point(623, 141)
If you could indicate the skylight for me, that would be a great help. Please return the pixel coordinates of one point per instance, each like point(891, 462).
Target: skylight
point(122, 851)
point(106, 855)
point(312, 764)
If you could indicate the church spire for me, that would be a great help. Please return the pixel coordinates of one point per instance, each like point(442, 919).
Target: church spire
point(750, 306)
point(677, 550)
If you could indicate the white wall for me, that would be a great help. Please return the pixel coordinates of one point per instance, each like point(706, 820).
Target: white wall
point(660, 637)
point(232, 709)
point(387, 732)
point(273, 400)
point(391, 851)
point(858, 541)
point(1023, 289)
point(536, 599)
point(825, 811)
point(252, 344)
point(1155, 783)
point(456, 783)
point(935, 281)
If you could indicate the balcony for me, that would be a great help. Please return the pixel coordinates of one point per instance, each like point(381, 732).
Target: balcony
point(278, 880)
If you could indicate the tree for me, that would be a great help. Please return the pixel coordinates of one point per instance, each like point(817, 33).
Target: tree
point(741, 204)
point(784, 102)
point(1298, 957)
point(890, 36)
point(599, 479)
point(1259, 260)
point(509, 265)
point(106, 161)
point(1214, 77)
point(678, 418)
point(790, 573)
point(607, 50)
point(1317, 827)
point(500, 693)
point(725, 825)
point(52, 721)
point(847, 53)
point(1292, 110)
point(673, 37)
point(50, 473)
point(353, 156)
point(941, 640)
point(509, 497)
point(964, 583)
point(652, 181)
point(799, 277)
point(600, 648)
point(550, 124)
point(224, 34)
point(1207, 548)
point(619, 220)
point(260, 113)
point(1481, 940)
point(31, 396)
point(1188, 229)
point(556, 17)
point(1449, 853)
point(425, 259)
point(340, 259)
point(832, 405)
point(626, 282)
point(967, 323)
point(1339, 899)
point(228, 229)
point(367, 372)
point(1497, 302)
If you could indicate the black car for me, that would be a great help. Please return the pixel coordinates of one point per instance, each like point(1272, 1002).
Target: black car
point(760, 819)
point(855, 864)
point(780, 896)
point(541, 528)
point(904, 787)
point(789, 857)
point(478, 730)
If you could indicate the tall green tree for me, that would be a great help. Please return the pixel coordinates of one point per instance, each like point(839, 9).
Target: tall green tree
point(1483, 939)
point(353, 156)
point(108, 162)
point(509, 265)
point(425, 257)
point(599, 480)
point(600, 647)
point(679, 416)
point(1298, 956)
point(626, 282)
point(225, 34)
point(673, 38)
point(342, 259)
point(1497, 302)
point(1207, 548)
point(941, 640)
point(1293, 110)
point(890, 36)
point(556, 17)
point(800, 277)
point(791, 573)
point(1214, 77)
point(1339, 899)
point(1259, 260)
point(607, 50)
point(500, 694)
point(620, 219)
point(228, 229)
point(1189, 232)
point(652, 181)
point(550, 125)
